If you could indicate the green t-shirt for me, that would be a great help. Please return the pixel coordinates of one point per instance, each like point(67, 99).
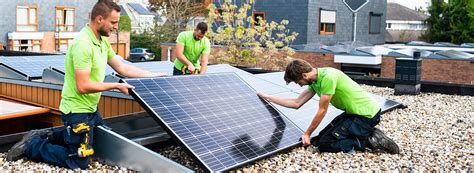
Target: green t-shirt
point(86, 52)
point(192, 48)
point(347, 94)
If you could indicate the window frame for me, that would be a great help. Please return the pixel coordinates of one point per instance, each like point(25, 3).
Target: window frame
point(28, 7)
point(34, 42)
point(323, 26)
point(68, 41)
point(370, 22)
point(56, 25)
point(254, 17)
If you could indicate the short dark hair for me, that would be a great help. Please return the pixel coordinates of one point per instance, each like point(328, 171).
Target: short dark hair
point(103, 8)
point(201, 26)
point(295, 69)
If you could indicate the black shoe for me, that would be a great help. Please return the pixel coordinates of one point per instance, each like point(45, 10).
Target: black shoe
point(379, 141)
point(18, 150)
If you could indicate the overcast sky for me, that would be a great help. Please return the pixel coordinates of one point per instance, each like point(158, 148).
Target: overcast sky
point(412, 3)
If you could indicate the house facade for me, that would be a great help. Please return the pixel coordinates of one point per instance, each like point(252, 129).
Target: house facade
point(324, 21)
point(142, 19)
point(45, 26)
point(404, 24)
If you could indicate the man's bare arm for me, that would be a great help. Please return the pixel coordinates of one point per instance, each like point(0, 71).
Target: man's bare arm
point(84, 85)
point(129, 70)
point(294, 103)
point(323, 107)
point(204, 62)
point(179, 54)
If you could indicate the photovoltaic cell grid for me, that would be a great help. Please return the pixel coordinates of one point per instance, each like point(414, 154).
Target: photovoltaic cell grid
point(217, 117)
point(32, 66)
point(255, 82)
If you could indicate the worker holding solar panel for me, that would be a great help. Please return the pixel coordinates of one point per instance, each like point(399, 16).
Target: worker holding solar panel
point(85, 64)
point(352, 130)
point(192, 51)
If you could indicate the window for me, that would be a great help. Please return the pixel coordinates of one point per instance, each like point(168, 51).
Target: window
point(257, 18)
point(26, 18)
point(389, 25)
point(375, 23)
point(63, 44)
point(327, 22)
point(64, 19)
point(27, 45)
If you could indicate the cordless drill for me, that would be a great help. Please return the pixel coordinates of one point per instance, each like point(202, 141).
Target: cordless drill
point(85, 149)
point(185, 70)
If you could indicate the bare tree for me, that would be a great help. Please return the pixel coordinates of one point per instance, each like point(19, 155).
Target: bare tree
point(179, 12)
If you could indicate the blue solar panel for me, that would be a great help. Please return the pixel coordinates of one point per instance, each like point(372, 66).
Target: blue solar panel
point(218, 118)
point(32, 66)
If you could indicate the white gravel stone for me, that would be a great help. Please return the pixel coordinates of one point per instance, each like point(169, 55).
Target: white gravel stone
point(435, 133)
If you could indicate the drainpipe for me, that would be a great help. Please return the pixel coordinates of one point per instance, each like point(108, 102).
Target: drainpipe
point(355, 28)
point(169, 54)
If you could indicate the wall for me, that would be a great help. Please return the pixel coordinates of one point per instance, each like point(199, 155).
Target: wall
point(49, 42)
point(295, 11)
point(46, 14)
point(441, 70)
point(124, 37)
point(344, 22)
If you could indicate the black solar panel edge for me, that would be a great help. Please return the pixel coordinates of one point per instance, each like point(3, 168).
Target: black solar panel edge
point(15, 70)
point(57, 70)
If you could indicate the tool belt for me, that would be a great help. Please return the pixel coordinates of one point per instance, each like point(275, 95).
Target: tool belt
point(185, 70)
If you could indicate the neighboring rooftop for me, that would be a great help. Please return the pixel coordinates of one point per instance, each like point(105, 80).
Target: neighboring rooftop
point(399, 12)
point(140, 9)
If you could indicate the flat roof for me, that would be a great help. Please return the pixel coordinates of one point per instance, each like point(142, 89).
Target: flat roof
point(10, 110)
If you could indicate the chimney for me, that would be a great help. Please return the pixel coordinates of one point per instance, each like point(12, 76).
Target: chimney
point(408, 75)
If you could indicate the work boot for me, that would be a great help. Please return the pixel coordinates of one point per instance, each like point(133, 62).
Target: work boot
point(379, 141)
point(19, 149)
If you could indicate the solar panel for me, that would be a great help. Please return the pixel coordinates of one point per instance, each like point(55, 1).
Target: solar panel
point(255, 82)
point(32, 66)
point(218, 118)
point(277, 78)
point(156, 66)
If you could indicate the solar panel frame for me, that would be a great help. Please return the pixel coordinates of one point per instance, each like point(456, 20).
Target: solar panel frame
point(201, 162)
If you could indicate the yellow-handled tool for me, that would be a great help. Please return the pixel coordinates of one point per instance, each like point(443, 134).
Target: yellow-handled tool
point(185, 70)
point(85, 149)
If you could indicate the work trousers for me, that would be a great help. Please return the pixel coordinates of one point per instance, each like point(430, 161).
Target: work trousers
point(61, 150)
point(347, 132)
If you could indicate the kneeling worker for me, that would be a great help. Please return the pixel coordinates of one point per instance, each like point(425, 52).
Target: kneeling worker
point(355, 128)
point(85, 64)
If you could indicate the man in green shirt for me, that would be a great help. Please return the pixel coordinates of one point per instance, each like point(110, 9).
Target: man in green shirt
point(191, 47)
point(85, 65)
point(355, 128)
